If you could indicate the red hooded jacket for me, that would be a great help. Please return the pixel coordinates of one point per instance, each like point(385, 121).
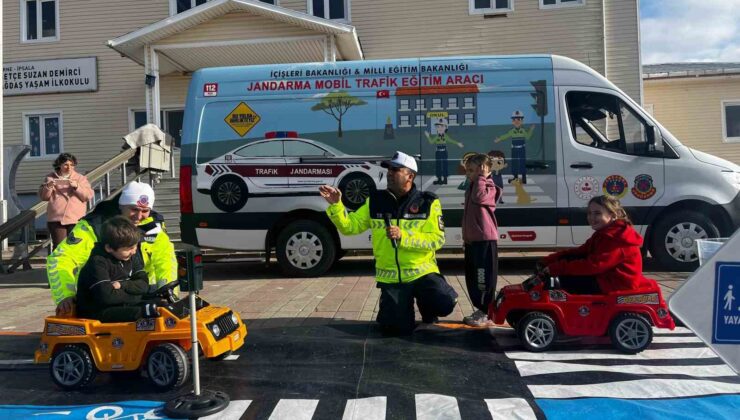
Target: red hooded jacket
point(611, 254)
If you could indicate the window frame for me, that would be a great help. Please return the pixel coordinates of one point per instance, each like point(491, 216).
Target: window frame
point(724, 104)
point(347, 8)
point(24, 28)
point(560, 5)
point(632, 108)
point(452, 106)
point(42, 113)
point(472, 10)
point(420, 120)
point(450, 119)
point(402, 123)
point(173, 6)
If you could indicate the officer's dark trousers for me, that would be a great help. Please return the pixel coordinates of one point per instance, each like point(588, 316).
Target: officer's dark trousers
point(481, 271)
point(433, 296)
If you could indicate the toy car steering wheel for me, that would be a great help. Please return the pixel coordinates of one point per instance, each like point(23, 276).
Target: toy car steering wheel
point(167, 290)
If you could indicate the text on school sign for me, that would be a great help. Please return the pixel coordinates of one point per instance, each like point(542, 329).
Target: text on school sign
point(50, 76)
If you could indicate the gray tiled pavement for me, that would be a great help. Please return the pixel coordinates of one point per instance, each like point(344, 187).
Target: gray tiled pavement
point(265, 299)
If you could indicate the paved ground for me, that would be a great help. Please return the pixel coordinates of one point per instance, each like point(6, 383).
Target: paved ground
point(264, 298)
point(313, 353)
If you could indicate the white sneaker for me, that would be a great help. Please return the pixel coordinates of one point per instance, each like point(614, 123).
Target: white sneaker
point(478, 319)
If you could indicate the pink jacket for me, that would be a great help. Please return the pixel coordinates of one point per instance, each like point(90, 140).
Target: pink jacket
point(66, 204)
point(479, 223)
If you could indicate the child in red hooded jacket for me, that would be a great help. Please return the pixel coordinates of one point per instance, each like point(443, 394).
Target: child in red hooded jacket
point(609, 260)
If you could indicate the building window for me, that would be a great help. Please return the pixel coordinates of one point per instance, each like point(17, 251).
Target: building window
point(469, 119)
point(452, 119)
point(556, 4)
point(43, 132)
point(420, 104)
point(731, 121)
point(452, 103)
point(436, 103)
point(39, 20)
point(420, 120)
point(404, 121)
point(330, 9)
point(468, 102)
point(489, 7)
point(404, 105)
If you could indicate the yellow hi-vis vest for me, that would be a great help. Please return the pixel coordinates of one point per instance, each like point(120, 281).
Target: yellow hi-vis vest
point(422, 233)
point(64, 264)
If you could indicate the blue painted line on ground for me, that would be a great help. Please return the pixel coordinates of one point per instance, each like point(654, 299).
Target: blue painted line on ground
point(714, 407)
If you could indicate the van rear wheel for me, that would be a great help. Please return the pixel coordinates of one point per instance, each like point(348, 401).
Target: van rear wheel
point(673, 242)
point(305, 248)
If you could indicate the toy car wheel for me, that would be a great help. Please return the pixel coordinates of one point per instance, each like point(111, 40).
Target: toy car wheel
point(537, 331)
point(229, 193)
point(72, 367)
point(305, 248)
point(630, 333)
point(674, 238)
point(167, 366)
point(356, 188)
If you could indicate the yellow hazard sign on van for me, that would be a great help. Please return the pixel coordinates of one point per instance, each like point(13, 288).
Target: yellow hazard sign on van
point(242, 119)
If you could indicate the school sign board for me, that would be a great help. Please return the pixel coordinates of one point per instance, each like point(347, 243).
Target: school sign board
point(709, 302)
point(50, 76)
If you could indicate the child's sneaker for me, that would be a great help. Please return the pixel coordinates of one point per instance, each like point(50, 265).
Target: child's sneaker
point(478, 319)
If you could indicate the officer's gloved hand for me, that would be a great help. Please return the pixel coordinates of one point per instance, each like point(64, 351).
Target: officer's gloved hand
point(150, 311)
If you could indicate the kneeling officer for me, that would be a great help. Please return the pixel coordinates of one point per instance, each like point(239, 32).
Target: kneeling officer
point(407, 229)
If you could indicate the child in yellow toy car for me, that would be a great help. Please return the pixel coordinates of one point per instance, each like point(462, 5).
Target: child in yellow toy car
point(113, 285)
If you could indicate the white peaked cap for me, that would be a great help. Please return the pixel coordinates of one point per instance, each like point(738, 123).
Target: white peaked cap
point(138, 194)
point(401, 160)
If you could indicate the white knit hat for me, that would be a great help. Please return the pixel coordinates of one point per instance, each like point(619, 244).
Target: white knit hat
point(138, 194)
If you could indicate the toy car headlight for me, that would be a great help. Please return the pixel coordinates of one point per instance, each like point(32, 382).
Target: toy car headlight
point(234, 319)
point(215, 330)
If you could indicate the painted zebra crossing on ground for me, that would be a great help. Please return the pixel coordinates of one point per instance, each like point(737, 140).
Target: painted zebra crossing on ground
point(684, 368)
point(427, 406)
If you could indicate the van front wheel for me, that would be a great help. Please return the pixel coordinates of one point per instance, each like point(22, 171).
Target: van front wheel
point(673, 242)
point(305, 248)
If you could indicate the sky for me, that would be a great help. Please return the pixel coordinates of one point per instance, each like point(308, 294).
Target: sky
point(689, 30)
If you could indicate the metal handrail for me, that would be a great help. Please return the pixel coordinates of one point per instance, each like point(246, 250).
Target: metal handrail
point(100, 181)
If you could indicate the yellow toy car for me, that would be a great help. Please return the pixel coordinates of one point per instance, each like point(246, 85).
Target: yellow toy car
point(78, 348)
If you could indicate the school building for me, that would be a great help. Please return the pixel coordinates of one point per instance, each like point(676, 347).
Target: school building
point(78, 75)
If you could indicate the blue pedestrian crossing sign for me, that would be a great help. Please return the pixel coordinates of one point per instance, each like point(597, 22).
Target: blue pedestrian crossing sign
point(708, 302)
point(726, 322)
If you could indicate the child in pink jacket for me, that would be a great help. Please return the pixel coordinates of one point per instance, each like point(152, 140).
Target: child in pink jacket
point(480, 234)
point(67, 192)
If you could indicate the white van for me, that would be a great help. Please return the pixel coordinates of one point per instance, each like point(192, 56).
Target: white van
point(258, 140)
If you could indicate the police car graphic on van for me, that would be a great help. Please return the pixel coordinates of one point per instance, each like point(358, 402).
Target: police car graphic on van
point(284, 165)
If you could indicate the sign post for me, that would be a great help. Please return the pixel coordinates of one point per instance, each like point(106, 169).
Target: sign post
point(709, 302)
point(200, 402)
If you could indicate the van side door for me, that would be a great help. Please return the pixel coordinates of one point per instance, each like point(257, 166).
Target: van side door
point(609, 147)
